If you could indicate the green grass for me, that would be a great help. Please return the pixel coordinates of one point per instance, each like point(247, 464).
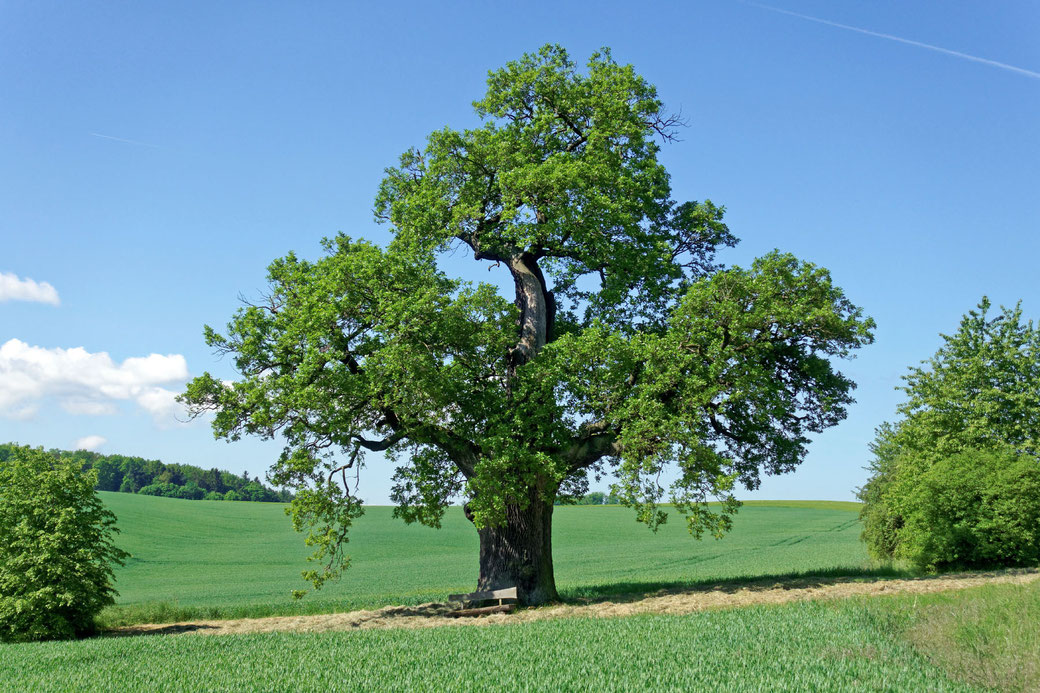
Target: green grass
point(214, 559)
point(224, 559)
point(796, 647)
point(989, 635)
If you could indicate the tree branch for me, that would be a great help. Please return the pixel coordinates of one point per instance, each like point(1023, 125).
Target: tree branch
point(380, 445)
point(537, 308)
point(594, 442)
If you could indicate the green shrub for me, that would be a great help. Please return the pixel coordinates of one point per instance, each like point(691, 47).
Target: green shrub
point(973, 509)
point(56, 548)
point(955, 481)
point(881, 523)
point(166, 490)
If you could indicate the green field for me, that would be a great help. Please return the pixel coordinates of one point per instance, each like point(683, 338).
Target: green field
point(212, 558)
point(797, 647)
point(195, 558)
point(977, 639)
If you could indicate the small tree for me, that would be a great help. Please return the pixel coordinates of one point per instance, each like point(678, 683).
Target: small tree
point(56, 550)
point(954, 481)
point(624, 347)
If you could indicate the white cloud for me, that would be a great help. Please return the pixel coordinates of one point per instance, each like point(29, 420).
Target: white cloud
point(22, 413)
point(162, 403)
point(14, 289)
point(75, 405)
point(87, 383)
point(89, 443)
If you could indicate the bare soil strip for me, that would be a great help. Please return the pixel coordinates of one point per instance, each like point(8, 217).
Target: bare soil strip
point(723, 596)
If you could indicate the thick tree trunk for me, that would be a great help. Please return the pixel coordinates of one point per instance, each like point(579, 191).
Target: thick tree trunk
point(519, 553)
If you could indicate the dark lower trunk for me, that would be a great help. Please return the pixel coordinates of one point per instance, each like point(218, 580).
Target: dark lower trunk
point(519, 553)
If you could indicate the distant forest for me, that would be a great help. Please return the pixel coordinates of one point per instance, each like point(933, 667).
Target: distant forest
point(128, 474)
point(593, 498)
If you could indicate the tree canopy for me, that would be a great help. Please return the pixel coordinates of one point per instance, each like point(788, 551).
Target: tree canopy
point(625, 347)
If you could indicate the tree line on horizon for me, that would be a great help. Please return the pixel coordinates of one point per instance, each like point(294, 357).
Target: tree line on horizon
point(131, 474)
point(590, 498)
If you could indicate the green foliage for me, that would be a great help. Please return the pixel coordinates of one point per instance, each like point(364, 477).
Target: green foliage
point(189, 491)
point(192, 491)
point(809, 646)
point(222, 560)
point(973, 508)
point(129, 474)
point(732, 389)
point(625, 348)
point(56, 550)
point(954, 482)
point(166, 490)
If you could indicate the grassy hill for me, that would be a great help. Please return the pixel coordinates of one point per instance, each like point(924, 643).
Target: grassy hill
point(222, 559)
point(211, 558)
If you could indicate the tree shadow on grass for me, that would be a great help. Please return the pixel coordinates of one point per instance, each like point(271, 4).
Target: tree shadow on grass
point(621, 593)
point(354, 619)
point(430, 609)
point(636, 591)
point(172, 629)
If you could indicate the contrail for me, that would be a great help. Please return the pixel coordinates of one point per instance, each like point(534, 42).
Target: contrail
point(120, 139)
point(890, 37)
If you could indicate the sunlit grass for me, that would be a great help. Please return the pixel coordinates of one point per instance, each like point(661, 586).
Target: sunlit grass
point(199, 559)
point(988, 635)
point(218, 560)
point(796, 647)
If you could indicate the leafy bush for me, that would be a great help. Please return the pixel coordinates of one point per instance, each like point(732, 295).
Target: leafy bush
point(956, 482)
point(255, 491)
point(975, 508)
point(166, 490)
point(56, 550)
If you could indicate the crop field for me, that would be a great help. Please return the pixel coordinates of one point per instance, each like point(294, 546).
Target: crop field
point(976, 639)
point(215, 559)
point(837, 646)
point(194, 559)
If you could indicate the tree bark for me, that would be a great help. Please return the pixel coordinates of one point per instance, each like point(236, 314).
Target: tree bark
point(519, 553)
point(537, 309)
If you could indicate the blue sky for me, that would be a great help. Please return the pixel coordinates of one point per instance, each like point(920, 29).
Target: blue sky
point(154, 158)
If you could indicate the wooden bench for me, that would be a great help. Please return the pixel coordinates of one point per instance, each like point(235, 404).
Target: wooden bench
point(501, 596)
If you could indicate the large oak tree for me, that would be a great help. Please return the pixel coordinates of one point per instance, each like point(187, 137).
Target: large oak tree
point(625, 346)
